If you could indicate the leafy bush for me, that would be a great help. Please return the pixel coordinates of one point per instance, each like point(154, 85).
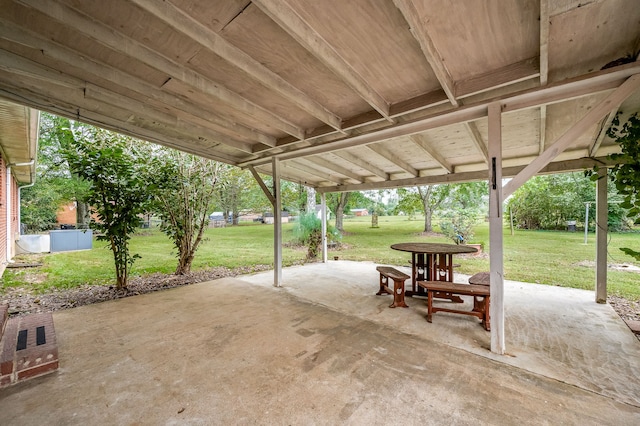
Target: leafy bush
point(626, 174)
point(457, 224)
point(308, 232)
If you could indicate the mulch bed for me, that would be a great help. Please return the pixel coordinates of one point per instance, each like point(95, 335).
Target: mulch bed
point(24, 302)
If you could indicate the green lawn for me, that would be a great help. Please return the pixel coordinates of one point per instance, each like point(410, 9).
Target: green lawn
point(555, 258)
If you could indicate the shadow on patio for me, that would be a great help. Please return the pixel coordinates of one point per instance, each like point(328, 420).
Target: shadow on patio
point(325, 350)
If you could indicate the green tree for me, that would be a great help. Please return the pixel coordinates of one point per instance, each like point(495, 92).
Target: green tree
point(39, 205)
point(462, 209)
point(338, 203)
point(184, 187)
point(548, 202)
point(426, 199)
point(55, 184)
point(118, 194)
point(626, 174)
point(237, 190)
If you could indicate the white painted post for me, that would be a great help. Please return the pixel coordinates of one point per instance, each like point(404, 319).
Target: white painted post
point(496, 260)
point(277, 224)
point(586, 222)
point(323, 217)
point(602, 228)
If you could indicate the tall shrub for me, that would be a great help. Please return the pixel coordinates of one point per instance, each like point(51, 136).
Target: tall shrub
point(184, 191)
point(308, 232)
point(117, 193)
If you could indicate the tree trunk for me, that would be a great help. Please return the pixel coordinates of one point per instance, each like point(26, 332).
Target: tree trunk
point(311, 200)
point(425, 195)
point(342, 203)
point(427, 220)
point(184, 265)
point(83, 215)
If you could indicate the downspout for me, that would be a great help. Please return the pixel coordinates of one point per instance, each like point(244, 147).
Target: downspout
point(33, 181)
point(8, 215)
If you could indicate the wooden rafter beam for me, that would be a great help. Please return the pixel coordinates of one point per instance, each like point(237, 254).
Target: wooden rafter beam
point(144, 110)
point(573, 88)
point(183, 108)
point(154, 136)
point(211, 40)
point(476, 138)
point(544, 41)
point(267, 192)
point(423, 142)
point(336, 168)
point(544, 66)
point(611, 102)
point(289, 20)
point(127, 46)
point(12, 62)
point(505, 76)
point(291, 175)
point(304, 169)
point(75, 105)
point(419, 31)
point(354, 159)
point(480, 175)
point(602, 132)
point(332, 175)
point(390, 156)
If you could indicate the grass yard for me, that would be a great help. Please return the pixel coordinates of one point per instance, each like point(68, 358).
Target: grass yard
point(555, 258)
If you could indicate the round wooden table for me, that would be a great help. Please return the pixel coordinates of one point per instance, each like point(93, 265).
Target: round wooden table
point(431, 262)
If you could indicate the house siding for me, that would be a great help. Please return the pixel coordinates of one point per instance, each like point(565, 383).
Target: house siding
point(8, 214)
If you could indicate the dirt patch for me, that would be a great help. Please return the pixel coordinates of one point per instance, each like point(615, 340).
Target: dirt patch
point(614, 266)
point(429, 234)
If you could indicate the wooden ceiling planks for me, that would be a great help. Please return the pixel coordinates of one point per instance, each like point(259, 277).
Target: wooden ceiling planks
point(474, 38)
point(585, 36)
point(346, 94)
point(254, 33)
point(377, 44)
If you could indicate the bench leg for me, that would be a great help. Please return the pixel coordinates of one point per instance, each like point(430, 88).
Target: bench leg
point(478, 303)
point(486, 320)
point(429, 305)
point(383, 284)
point(398, 295)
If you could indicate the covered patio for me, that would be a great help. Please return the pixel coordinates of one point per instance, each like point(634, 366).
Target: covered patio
point(324, 349)
point(345, 96)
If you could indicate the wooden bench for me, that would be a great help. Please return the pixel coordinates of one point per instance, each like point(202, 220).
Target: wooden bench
point(482, 313)
point(481, 278)
point(386, 273)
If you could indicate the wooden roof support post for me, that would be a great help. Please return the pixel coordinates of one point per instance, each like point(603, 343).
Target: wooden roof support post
point(602, 228)
point(496, 258)
point(323, 218)
point(276, 202)
point(277, 224)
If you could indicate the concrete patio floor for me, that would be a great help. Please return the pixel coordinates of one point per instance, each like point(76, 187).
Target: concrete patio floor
point(325, 350)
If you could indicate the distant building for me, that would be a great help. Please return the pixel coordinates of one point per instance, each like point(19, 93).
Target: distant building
point(67, 214)
point(360, 212)
point(268, 218)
